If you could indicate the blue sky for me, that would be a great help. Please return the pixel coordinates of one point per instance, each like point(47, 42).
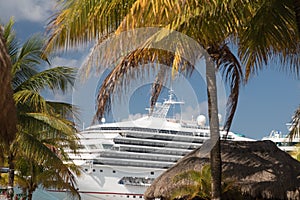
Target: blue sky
point(267, 102)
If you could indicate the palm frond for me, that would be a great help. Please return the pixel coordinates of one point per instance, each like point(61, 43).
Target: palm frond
point(58, 78)
point(157, 87)
point(297, 12)
point(188, 192)
point(149, 13)
point(260, 41)
point(61, 180)
point(29, 99)
point(53, 136)
point(11, 41)
point(59, 124)
point(295, 125)
point(232, 72)
point(21, 75)
point(33, 149)
point(197, 183)
point(190, 175)
point(80, 22)
point(52, 172)
point(30, 54)
point(65, 110)
point(130, 66)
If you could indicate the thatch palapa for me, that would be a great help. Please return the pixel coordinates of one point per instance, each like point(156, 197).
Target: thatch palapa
point(259, 169)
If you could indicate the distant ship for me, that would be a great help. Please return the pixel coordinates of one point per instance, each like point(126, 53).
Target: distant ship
point(283, 141)
point(120, 160)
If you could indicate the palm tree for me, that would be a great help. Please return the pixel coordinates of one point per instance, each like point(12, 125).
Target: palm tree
point(130, 61)
point(44, 127)
point(295, 132)
point(211, 24)
point(199, 185)
point(202, 187)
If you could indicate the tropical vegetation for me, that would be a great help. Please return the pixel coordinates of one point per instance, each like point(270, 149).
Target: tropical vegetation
point(261, 31)
point(36, 155)
point(198, 185)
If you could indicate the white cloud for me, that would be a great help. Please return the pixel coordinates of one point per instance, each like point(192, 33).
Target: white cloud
point(192, 112)
point(31, 10)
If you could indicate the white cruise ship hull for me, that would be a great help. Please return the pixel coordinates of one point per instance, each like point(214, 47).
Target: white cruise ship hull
point(103, 182)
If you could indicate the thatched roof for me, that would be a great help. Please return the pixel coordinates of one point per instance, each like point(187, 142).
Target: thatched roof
point(259, 169)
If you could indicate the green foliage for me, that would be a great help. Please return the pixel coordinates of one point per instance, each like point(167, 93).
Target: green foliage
point(295, 125)
point(197, 184)
point(261, 30)
point(44, 127)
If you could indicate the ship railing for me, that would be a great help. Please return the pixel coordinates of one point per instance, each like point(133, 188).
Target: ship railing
point(158, 150)
point(157, 143)
point(141, 156)
point(133, 163)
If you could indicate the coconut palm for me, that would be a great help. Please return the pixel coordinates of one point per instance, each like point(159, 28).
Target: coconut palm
point(130, 62)
point(198, 185)
point(202, 187)
point(44, 127)
point(211, 24)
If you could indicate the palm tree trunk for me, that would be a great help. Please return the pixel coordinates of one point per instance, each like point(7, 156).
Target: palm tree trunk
point(8, 116)
point(215, 155)
point(11, 176)
point(29, 197)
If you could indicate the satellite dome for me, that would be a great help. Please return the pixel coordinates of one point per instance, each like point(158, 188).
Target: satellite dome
point(201, 120)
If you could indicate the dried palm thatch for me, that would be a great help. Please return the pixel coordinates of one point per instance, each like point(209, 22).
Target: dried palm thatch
point(259, 169)
point(8, 117)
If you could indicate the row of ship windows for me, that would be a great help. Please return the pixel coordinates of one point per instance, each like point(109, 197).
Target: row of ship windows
point(114, 171)
point(134, 196)
point(203, 134)
point(147, 130)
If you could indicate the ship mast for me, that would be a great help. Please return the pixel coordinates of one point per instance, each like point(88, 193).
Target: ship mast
point(161, 110)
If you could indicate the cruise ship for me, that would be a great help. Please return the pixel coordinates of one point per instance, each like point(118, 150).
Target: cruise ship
point(284, 141)
point(120, 160)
